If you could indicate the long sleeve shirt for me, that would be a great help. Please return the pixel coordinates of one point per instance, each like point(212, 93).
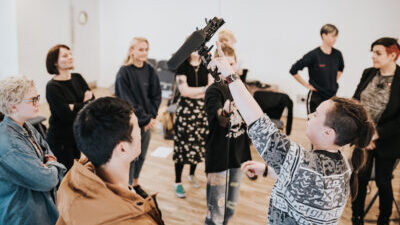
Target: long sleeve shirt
point(322, 70)
point(59, 95)
point(27, 182)
point(140, 87)
point(312, 186)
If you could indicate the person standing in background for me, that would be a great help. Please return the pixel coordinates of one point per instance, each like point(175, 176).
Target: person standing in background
point(325, 66)
point(138, 84)
point(66, 94)
point(379, 92)
point(191, 127)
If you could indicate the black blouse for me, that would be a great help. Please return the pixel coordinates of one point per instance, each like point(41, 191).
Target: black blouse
point(194, 78)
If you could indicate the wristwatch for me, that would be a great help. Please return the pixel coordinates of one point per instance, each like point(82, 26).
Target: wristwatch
point(229, 79)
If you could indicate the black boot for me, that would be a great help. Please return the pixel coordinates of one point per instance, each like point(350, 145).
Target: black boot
point(383, 220)
point(357, 221)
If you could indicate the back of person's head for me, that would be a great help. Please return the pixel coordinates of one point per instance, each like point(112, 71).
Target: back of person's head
point(226, 37)
point(227, 50)
point(353, 126)
point(100, 126)
point(136, 40)
point(12, 92)
point(391, 45)
point(52, 58)
point(328, 29)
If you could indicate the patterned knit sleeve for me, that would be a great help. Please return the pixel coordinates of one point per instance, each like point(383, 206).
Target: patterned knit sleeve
point(272, 145)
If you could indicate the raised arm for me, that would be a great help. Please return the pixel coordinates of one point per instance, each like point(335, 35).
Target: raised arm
point(271, 144)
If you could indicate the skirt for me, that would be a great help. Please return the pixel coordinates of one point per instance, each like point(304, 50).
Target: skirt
point(191, 130)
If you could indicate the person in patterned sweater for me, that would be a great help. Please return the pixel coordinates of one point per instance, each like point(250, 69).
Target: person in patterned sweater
point(312, 187)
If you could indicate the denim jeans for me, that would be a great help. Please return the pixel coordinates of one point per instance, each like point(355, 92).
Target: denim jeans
point(216, 186)
point(137, 164)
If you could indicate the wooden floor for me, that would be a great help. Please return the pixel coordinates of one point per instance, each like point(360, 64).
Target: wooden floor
point(158, 176)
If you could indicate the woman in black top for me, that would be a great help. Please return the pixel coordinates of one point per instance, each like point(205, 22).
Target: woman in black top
point(379, 92)
point(66, 94)
point(191, 126)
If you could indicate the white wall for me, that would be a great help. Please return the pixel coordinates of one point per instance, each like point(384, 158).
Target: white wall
point(8, 39)
point(45, 23)
point(85, 39)
point(271, 35)
point(165, 24)
point(41, 25)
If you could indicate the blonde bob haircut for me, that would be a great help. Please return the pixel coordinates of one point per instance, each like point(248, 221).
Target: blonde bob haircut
point(226, 35)
point(12, 92)
point(227, 50)
point(136, 40)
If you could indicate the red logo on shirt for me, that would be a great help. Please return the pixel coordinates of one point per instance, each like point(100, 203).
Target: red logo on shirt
point(322, 65)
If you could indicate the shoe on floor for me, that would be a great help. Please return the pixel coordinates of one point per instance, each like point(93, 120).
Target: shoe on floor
point(193, 181)
point(179, 191)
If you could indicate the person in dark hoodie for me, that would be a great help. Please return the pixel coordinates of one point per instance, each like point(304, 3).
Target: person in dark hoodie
point(138, 84)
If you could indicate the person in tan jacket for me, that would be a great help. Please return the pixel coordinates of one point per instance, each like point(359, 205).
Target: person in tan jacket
point(96, 190)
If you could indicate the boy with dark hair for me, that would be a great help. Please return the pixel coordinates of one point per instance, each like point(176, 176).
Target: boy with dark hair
point(96, 190)
point(325, 66)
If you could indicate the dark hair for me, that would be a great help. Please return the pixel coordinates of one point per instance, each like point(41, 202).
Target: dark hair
point(100, 126)
point(329, 28)
point(391, 45)
point(52, 58)
point(353, 126)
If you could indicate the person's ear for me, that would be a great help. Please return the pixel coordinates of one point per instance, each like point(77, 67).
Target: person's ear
point(329, 132)
point(13, 109)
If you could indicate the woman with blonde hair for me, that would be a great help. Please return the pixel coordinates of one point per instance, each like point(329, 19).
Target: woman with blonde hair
point(29, 172)
point(138, 84)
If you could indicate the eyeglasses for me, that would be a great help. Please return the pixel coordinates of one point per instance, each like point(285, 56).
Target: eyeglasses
point(34, 100)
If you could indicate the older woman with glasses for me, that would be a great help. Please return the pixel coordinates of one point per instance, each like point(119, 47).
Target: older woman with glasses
point(29, 172)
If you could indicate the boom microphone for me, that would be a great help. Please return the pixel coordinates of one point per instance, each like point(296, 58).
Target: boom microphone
point(196, 42)
point(191, 44)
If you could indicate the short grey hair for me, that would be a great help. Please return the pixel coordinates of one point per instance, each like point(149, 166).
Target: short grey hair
point(13, 91)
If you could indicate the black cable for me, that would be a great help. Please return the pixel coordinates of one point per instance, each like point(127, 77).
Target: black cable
point(227, 160)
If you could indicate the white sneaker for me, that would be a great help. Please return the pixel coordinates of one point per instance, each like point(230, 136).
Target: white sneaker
point(193, 181)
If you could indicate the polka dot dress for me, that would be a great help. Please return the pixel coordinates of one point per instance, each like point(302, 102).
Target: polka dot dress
point(191, 129)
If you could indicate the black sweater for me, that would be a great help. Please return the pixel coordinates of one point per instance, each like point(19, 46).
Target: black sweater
point(59, 95)
point(140, 87)
point(322, 69)
point(388, 127)
point(217, 141)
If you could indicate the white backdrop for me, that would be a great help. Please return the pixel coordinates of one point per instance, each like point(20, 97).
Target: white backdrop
point(271, 35)
point(8, 39)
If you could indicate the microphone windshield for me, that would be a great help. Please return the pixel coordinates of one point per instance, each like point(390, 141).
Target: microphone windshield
point(191, 44)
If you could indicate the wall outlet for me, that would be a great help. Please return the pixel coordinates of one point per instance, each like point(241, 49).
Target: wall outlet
point(301, 99)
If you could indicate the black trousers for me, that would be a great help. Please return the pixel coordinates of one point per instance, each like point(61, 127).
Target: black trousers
point(383, 179)
point(313, 101)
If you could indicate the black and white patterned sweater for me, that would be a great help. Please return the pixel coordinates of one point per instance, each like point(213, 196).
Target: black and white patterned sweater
point(312, 186)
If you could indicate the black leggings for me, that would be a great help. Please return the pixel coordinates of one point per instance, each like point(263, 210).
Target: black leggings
point(179, 169)
point(383, 180)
